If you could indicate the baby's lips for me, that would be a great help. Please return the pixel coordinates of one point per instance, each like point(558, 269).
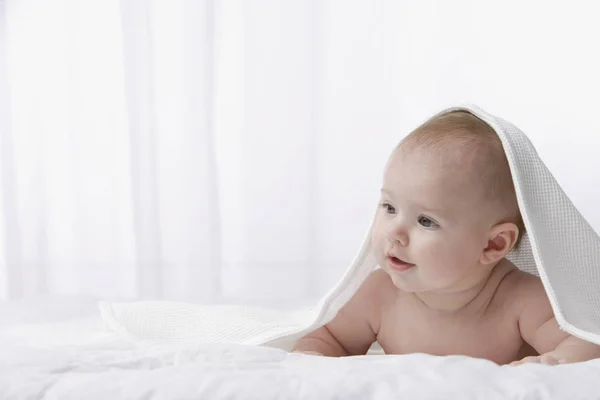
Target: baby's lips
point(400, 259)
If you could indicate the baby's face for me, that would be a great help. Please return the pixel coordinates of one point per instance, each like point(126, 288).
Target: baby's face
point(430, 229)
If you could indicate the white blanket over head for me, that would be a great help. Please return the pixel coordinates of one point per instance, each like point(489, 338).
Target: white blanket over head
point(559, 246)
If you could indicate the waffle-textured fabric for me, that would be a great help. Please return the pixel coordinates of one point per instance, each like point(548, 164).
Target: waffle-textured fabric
point(560, 246)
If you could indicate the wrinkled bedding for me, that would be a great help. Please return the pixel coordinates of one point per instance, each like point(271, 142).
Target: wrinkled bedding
point(59, 349)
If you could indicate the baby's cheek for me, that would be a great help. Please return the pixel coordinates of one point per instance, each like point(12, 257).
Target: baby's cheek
point(377, 244)
point(444, 263)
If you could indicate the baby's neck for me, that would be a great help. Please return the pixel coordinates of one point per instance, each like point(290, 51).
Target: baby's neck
point(474, 293)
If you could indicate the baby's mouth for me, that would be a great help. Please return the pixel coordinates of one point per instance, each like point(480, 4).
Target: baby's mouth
point(399, 265)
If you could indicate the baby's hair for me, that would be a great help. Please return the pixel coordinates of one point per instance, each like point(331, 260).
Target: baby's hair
point(462, 137)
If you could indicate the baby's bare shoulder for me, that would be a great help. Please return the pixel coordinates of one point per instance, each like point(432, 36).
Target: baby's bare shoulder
point(536, 320)
point(367, 303)
point(523, 290)
point(375, 293)
point(379, 278)
point(377, 287)
point(528, 285)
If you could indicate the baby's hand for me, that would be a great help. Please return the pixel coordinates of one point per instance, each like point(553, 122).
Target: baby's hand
point(310, 353)
point(570, 350)
point(547, 359)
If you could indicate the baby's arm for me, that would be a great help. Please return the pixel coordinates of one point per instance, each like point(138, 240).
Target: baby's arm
point(540, 329)
point(354, 328)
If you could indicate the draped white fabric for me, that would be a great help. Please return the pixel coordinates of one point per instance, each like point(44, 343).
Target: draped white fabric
point(231, 151)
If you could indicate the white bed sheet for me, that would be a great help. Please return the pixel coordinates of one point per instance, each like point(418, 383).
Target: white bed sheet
point(58, 349)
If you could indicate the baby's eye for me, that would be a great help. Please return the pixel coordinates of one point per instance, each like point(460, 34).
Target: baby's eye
point(389, 209)
point(427, 222)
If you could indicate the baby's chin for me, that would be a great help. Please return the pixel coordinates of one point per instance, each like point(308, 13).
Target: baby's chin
point(411, 281)
point(403, 282)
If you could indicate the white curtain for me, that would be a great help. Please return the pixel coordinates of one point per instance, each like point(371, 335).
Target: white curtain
point(160, 149)
point(231, 151)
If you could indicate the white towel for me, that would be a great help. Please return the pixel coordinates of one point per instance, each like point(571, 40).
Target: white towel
point(559, 246)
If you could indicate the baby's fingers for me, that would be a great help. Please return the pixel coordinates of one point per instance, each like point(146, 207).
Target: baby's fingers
point(310, 353)
point(527, 360)
point(543, 359)
point(548, 359)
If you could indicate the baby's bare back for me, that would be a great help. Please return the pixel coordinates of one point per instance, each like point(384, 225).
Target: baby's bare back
point(485, 328)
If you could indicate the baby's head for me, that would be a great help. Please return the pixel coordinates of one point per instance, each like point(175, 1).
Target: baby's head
point(448, 211)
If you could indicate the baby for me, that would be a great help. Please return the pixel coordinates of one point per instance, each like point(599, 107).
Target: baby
point(448, 216)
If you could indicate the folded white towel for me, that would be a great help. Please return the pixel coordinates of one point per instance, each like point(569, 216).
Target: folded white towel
point(559, 246)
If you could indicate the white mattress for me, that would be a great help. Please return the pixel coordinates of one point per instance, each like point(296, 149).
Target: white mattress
point(58, 349)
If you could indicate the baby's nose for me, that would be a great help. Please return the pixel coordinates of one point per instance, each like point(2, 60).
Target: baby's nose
point(399, 234)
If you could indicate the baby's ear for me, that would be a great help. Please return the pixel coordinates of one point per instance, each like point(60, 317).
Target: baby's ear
point(502, 239)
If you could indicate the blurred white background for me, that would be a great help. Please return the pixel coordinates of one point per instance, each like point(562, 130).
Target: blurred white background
point(232, 151)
